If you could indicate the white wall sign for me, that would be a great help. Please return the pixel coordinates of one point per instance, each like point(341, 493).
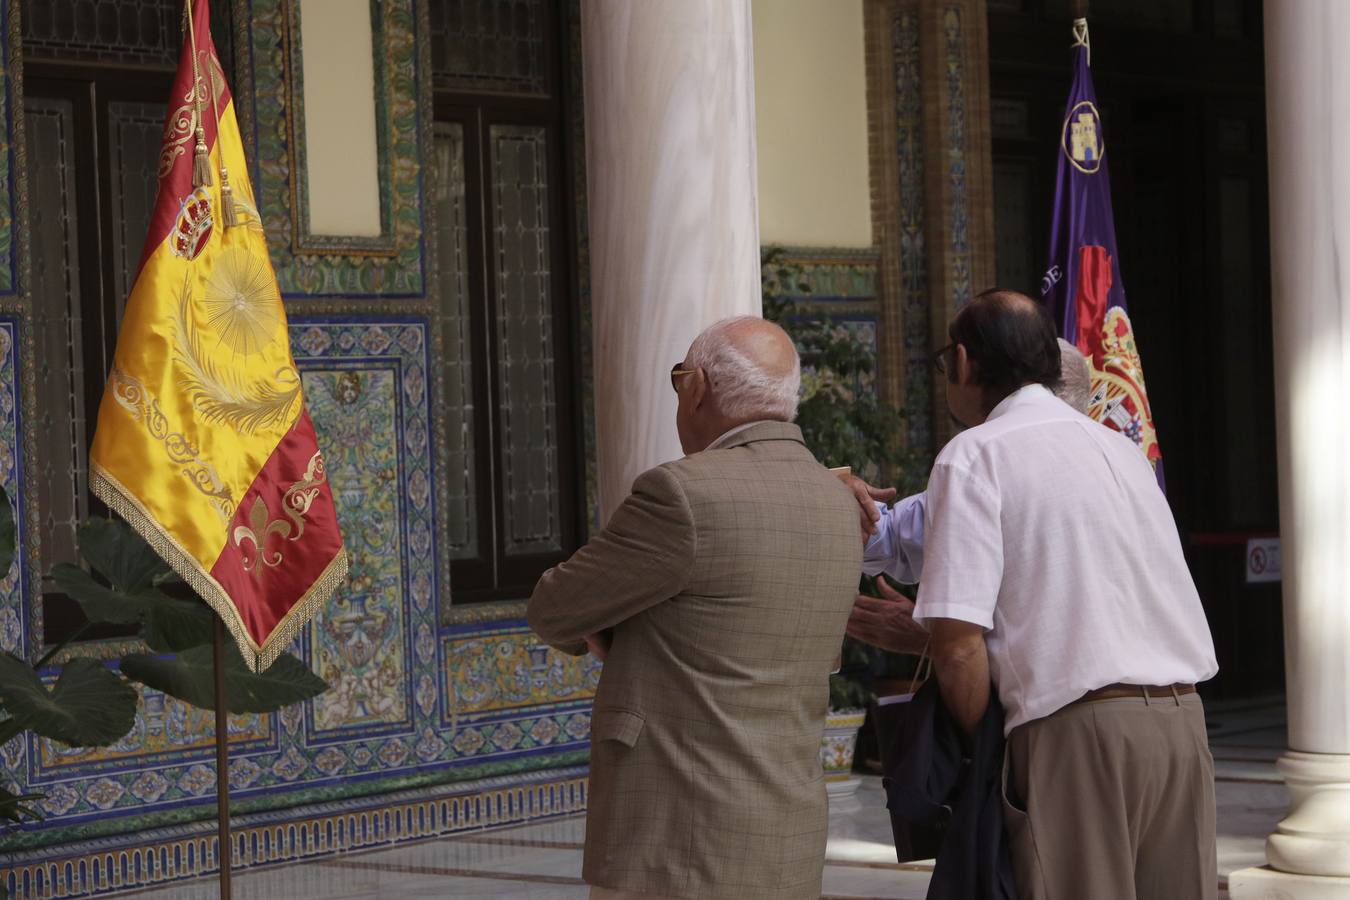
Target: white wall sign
point(1263, 560)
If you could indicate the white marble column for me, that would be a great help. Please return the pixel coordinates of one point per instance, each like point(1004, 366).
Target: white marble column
point(670, 163)
point(1307, 81)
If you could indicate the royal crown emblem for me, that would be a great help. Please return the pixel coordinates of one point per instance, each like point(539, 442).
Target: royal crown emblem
point(1119, 399)
point(192, 228)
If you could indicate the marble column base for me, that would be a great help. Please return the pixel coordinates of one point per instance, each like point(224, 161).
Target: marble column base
point(1314, 839)
point(1268, 884)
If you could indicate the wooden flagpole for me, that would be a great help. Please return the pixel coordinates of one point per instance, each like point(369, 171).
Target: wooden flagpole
point(224, 853)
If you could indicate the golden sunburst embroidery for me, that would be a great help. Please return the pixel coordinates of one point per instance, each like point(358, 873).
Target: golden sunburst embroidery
point(222, 395)
point(242, 303)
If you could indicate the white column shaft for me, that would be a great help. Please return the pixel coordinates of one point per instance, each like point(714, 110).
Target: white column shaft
point(1307, 77)
point(670, 154)
point(1307, 80)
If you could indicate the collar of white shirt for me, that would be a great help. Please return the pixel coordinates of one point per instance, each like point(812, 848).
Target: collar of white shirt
point(1027, 392)
point(730, 433)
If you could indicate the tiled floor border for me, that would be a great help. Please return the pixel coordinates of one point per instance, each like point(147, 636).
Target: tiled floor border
point(166, 855)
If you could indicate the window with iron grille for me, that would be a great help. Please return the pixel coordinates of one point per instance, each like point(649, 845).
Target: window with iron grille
point(506, 293)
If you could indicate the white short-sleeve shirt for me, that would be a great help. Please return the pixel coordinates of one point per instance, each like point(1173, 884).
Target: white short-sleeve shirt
point(1049, 530)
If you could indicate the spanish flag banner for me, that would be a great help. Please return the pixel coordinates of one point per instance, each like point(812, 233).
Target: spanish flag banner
point(203, 443)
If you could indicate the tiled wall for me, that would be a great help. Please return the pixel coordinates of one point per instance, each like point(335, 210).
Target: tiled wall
point(438, 719)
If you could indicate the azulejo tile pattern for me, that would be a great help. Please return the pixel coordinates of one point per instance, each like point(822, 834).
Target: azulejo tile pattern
point(13, 586)
point(165, 729)
point(954, 114)
point(914, 300)
point(838, 284)
point(359, 642)
point(139, 812)
point(392, 719)
point(8, 259)
point(333, 273)
point(508, 668)
point(13, 582)
point(167, 855)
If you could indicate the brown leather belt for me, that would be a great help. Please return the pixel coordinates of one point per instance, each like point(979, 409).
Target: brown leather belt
point(1118, 691)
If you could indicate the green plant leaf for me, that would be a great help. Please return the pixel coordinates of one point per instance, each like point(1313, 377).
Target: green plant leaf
point(9, 534)
point(171, 623)
point(89, 706)
point(118, 553)
point(174, 623)
point(15, 808)
point(99, 602)
point(189, 677)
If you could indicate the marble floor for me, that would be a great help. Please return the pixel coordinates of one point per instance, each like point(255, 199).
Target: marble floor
point(543, 861)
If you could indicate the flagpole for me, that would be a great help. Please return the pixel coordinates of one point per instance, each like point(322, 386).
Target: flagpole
point(222, 761)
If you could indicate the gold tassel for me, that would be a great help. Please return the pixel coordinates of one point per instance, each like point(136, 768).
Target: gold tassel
point(228, 215)
point(201, 161)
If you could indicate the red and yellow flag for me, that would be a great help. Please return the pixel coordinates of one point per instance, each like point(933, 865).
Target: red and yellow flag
point(203, 443)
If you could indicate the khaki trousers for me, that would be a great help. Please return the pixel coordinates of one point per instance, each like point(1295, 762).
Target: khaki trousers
point(1113, 800)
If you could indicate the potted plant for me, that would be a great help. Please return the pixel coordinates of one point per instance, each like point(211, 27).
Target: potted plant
point(849, 697)
point(88, 703)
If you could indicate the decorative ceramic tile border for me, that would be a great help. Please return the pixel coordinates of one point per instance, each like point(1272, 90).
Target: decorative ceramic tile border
point(838, 284)
point(822, 273)
point(9, 280)
point(14, 584)
point(366, 386)
point(509, 668)
point(302, 240)
point(297, 758)
point(167, 730)
point(14, 754)
point(392, 718)
point(954, 152)
point(169, 855)
point(347, 271)
point(913, 293)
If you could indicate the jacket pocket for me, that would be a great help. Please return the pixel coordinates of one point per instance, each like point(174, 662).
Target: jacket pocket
point(620, 725)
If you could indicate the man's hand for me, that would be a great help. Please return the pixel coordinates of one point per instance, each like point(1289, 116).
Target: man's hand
point(600, 643)
point(868, 497)
point(887, 623)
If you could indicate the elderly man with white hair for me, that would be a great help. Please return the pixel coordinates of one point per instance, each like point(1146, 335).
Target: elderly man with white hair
point(718, 595)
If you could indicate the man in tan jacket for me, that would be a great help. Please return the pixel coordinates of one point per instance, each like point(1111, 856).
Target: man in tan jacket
point(718, 596)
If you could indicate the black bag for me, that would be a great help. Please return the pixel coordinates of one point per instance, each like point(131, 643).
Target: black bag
point(896, 727)
point(945, 799)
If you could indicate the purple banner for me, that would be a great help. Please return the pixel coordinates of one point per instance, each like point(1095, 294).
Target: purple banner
point(1082, 285)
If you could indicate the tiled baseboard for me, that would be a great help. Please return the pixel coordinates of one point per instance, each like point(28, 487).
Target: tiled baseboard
point(162, 856)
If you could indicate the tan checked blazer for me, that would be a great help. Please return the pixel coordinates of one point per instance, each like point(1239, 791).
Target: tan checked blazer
point(727, 577)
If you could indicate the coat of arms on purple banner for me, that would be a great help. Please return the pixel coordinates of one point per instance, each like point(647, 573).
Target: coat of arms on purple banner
point(1082, 284)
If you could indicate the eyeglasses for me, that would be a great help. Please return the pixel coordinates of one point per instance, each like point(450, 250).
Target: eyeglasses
point(940, 358)
point(676, 371)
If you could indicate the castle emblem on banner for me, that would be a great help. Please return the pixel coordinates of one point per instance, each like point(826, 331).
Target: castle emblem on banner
point(1083, 142)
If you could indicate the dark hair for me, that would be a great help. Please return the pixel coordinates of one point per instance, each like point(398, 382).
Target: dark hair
point(1010, 339)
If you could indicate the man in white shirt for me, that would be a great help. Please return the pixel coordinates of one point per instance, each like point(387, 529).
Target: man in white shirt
point(894, 544)
point(1052, 566)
